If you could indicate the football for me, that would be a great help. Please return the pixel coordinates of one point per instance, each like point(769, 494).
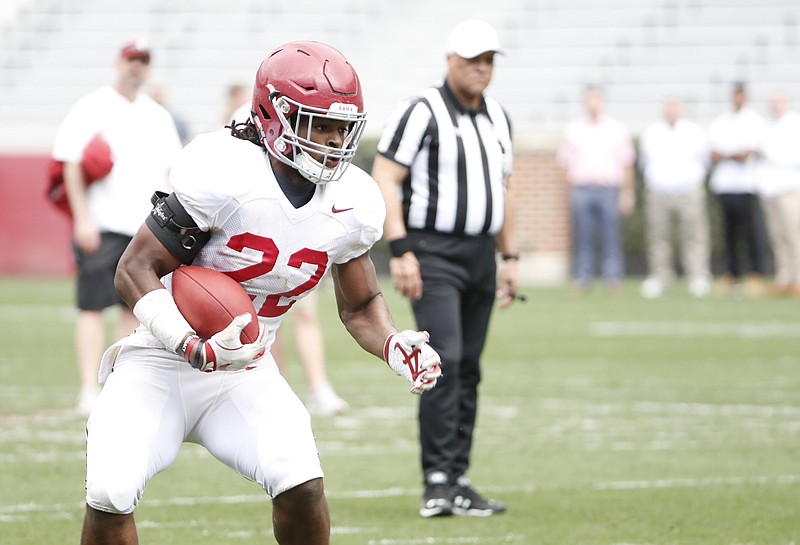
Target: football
point(209, 300)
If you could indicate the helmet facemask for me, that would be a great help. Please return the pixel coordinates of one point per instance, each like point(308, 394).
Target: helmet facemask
point(294, 147)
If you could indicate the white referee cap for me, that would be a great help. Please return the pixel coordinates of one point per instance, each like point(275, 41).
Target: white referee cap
point(473, 37)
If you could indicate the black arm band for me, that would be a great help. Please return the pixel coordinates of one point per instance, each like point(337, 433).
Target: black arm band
point(174, 227)
point(400, 246)
point(510, 257)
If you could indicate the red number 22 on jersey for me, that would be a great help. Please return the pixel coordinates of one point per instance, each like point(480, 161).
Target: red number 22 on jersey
point(269, 255)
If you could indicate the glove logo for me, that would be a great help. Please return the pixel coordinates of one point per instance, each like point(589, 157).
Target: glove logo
point(410, 360)
point(403, 351)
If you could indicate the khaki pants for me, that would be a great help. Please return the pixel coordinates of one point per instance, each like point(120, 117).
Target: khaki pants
point(783, 224)
point(686, 214)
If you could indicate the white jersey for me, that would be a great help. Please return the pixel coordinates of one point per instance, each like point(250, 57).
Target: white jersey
point(249, 419)
point(277, 252)
point(143, 142)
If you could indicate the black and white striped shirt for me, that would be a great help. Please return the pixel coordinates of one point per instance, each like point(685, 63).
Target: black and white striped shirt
point(459, 160)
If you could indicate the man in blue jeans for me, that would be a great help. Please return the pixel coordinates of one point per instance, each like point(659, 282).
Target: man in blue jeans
point(597, 154)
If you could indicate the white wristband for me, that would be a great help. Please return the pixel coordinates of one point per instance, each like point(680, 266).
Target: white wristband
point(159, 313)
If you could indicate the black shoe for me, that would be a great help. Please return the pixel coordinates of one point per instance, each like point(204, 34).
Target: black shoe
point(436, 501)
point(467, 501)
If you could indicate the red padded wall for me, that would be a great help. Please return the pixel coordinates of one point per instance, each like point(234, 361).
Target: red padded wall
point(35, 239)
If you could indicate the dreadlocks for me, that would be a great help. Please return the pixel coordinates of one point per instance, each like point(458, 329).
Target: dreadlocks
point(245, 131)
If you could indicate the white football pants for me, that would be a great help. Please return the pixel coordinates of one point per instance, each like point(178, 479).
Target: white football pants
point(153, 401)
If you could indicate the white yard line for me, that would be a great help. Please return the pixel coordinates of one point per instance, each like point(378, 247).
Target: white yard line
point(698, 483)
point(510, 538)
point(672, 408)
point(754, 330)
point(43, 312)
point(24, 511)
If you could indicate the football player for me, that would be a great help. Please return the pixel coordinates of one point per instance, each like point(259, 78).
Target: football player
point(274, 203)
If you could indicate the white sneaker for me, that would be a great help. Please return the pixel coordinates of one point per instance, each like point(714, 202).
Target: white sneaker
point(699, 287)
point(652, 288)
point(324, 402)
point(86, 398)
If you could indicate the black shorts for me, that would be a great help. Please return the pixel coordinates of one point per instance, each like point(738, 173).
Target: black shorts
point(96, 272)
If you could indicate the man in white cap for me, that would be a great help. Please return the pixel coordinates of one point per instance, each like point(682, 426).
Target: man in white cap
point(443, 166)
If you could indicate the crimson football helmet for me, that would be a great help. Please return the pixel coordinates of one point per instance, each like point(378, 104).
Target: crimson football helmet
point(297, 84)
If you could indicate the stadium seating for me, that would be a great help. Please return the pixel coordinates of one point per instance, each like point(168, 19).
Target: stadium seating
point(54, 51)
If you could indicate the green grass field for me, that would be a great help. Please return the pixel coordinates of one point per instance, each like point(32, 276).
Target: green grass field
point(604, 420)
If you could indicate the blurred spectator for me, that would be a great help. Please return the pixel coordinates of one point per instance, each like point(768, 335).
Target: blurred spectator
point(597, 154)
point(673, 157)
point(237, 96)
point(779, 186)
point(159, 94)
point(321, 398)
point(734, 137)
point(106, 215)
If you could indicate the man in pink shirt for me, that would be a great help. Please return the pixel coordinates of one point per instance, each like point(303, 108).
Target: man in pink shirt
point(597, 154)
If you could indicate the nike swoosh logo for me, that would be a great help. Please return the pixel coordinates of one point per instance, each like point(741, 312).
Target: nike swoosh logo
point(337, 210)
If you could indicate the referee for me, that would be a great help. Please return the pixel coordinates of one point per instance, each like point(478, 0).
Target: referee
point(443, 164)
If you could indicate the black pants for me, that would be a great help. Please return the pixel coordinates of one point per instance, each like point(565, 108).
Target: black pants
point(95, 285)
point(742, 221)
point(459, 280)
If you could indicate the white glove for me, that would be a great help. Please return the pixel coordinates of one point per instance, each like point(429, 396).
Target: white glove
point(224, 350)
point(410, 356)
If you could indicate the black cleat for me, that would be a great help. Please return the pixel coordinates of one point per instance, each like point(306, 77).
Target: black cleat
point(436, 501)
point(467, 502)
